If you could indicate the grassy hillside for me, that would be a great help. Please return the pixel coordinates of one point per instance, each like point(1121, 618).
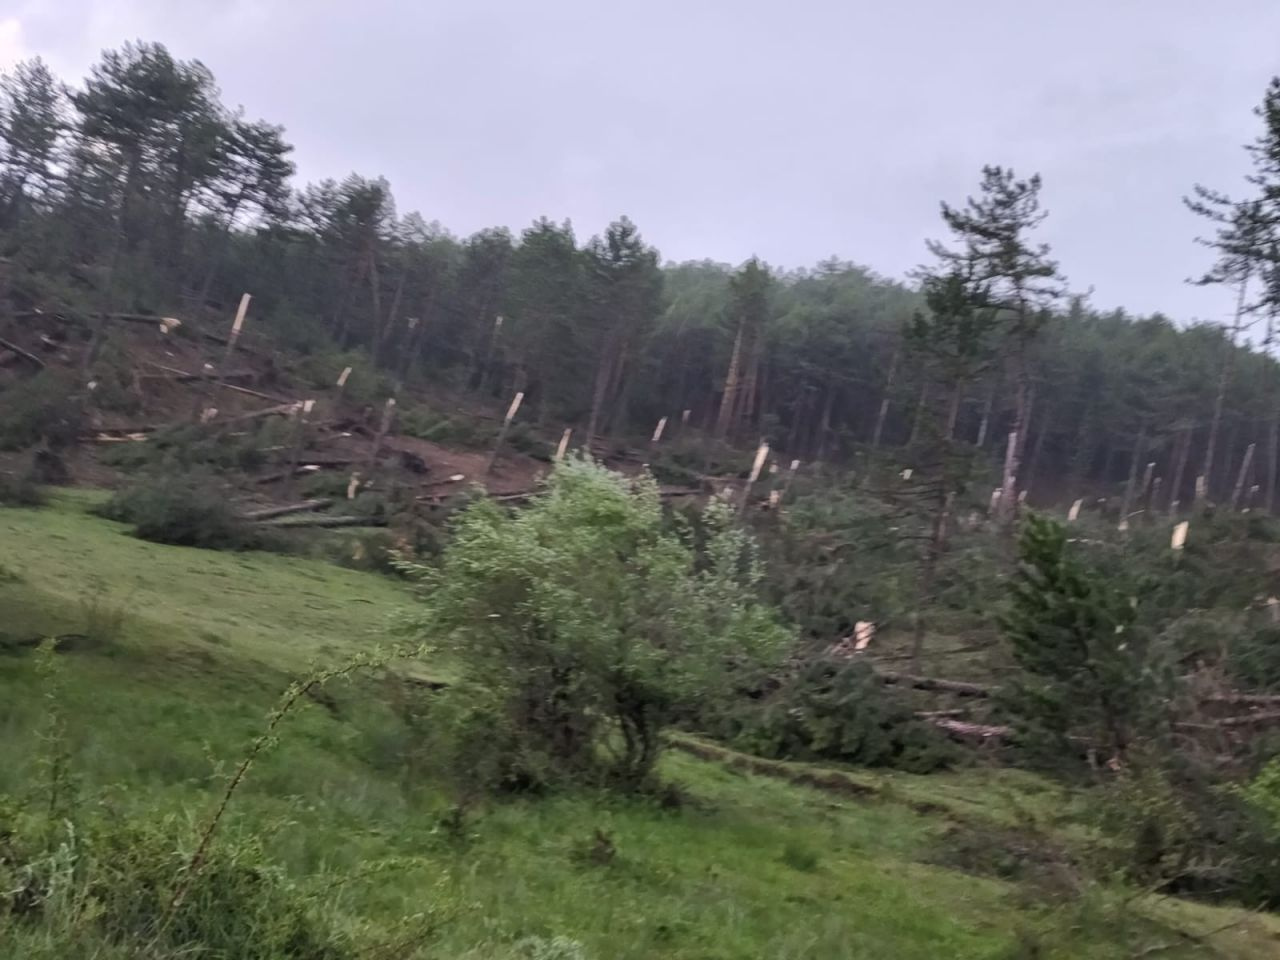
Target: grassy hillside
point(175, 655)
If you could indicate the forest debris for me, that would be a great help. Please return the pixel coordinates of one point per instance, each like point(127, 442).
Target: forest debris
point(958, 687)
point(24, 354)
point(305, 506)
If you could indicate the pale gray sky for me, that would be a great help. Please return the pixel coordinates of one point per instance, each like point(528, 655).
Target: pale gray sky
point(730, 127)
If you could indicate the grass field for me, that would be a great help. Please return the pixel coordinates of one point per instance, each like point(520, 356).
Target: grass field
point(186, 650)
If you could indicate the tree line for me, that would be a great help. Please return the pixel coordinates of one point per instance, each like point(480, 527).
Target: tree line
point(139, 190)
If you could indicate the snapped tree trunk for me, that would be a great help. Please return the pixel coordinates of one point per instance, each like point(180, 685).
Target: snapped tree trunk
point(1181, 456)
point(1242, 477)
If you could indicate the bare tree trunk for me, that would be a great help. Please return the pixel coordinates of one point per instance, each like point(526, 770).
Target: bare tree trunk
point(1046, 422)
point(385, 325)
point(824, 425)
point(985, 423)
point(745, 414)
point(1224, 381)
point(953, 412)
point(1008, 506)
point(600, 390)
point(1131, 485)
point(729, 399)
point(1181, 457)
point(1245, 465)
point(883, 413)
point(1273, 459)
point(917, 421)
point(929, 572)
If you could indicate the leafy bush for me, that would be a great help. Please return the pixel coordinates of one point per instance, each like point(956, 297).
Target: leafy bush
point(1173, 827)
point(838, 710)
point(188, 510)
point(41, 409)
point(20, 490)
point(583, 624)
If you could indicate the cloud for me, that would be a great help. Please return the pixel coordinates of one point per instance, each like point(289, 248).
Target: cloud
point(11, 47)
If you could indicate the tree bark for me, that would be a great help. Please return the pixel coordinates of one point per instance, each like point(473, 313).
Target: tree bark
point(729, 398)
point(1245, 465)
point(883, 412)
point(1130, 487)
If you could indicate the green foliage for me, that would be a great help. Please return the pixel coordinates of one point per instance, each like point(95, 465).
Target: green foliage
point(839, 711)
point(457, 430)
point(108, 883)
point(1083, 658)
point(188, 510)
point(582, 625)
point(41, 409)
point(366, 385)
point(185, 447)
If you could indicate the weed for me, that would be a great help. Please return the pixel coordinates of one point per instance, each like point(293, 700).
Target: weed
point(801, 858)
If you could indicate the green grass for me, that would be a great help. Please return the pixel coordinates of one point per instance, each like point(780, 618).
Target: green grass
point(749, 866)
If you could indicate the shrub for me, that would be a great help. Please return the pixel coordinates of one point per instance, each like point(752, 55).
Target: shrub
point(110, 884)
point(20, 490)
point(582, 625)
point(42, 409)
point(187, 510)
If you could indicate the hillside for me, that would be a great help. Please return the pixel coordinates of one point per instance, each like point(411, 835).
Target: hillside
point(171, 681)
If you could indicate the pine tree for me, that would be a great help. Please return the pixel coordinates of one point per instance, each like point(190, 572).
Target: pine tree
point(996, 249)
point(1079, 649)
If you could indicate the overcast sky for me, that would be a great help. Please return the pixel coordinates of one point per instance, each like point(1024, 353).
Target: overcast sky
point(727, 128)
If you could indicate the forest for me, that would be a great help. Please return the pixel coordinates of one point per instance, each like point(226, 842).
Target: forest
point(621, 607)
point(140, 192)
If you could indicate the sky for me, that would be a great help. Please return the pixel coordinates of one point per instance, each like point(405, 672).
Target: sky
point(731, 128)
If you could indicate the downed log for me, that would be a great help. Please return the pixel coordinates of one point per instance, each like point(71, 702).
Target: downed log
point(280, 410)
point(186, 376)
point(24, 354)
point(958, 687)
point(268, 513)
point(1260, 719)
point(326, 522)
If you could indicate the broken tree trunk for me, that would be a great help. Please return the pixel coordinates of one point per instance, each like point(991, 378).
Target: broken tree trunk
point(326, 522)
point(270, 513)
